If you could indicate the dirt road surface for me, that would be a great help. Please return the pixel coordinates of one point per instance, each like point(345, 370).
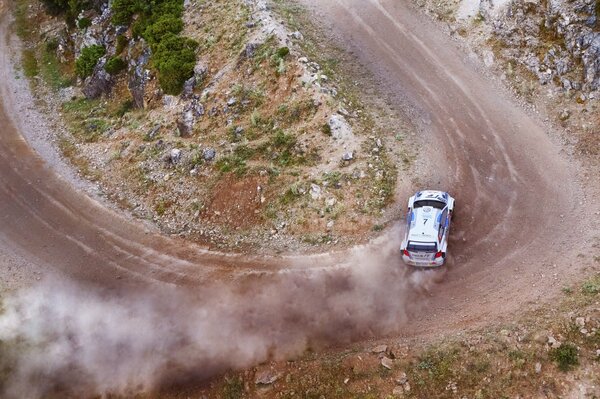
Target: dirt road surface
point(520, 224)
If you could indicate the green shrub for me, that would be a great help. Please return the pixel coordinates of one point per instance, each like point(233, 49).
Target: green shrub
point(71, 8)
point(159, 23)
point(84, 23)
point(52, 44)
point(55, 7)
point(166, 24)
point(84, 66)
point(124, 10)
point(115, 65)
point(565, 356)
point(282, 52)
point(174, 58)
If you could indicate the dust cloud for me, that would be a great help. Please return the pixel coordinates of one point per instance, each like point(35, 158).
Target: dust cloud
point(80, 341)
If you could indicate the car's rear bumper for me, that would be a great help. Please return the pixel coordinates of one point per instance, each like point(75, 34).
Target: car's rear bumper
point(425, 264)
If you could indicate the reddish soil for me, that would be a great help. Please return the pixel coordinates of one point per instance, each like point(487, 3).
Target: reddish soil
point(236, 203)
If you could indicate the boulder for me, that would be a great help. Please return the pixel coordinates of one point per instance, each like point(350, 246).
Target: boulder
point(340, 128)
point(138, 78)
point(185, 123)
point(99, 83)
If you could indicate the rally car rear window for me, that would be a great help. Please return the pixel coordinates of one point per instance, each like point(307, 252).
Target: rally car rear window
point(421, 246)
point(431, 203)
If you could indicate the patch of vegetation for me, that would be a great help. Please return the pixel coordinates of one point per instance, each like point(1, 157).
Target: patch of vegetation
point(30, 64)
point(84, 66)
point(295, 112)
point(161, 206)
point(233, 388)
point(281, 149)
point(70, 8)
point(22, 23)
point(291, 195)
point(252, 96)
point(124, 107)
point(566, 356)
point(52, 71)
point(236, 162)
point(591, 286)
point(166, 24)
point(84, 23)
point(174, 58)
point(160, 24)
point(115, 65)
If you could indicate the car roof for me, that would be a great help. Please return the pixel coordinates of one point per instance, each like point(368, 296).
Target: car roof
point(424, 224)
point(441, 196)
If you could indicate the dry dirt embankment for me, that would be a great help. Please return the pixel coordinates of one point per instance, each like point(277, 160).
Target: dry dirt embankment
point(499, 161)
point(264, 143)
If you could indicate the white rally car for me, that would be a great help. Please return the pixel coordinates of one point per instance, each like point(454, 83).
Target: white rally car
point(428, 225)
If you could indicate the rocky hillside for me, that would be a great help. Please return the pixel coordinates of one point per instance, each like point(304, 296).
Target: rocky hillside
point(547, 51)
point(213, 119)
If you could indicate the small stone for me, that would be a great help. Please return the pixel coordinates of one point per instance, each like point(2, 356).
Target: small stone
point(315, 191)
point(348, 156)
point(538, 367)
point(401, 379)
point(387, 362)
point(379, 349)
point(232, 101)
point(580, 322)
point(552, 342)
point(266, 377)
point(331, 202)
point(209, 154)
point(297, 35)
point(398, 391)
point(175, 155)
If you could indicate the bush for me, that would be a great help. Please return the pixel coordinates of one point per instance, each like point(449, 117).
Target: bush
point(565, 356)
point(84, 66)
point(282, 52)
point(174, 58)
point(115, 65)
point(124, 10)
point(55, 7)
point(84, 23)
point(159, 23)
point(166, 24)
point(71, 8)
